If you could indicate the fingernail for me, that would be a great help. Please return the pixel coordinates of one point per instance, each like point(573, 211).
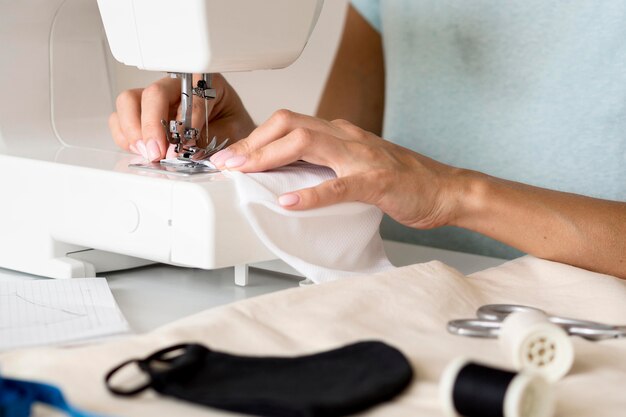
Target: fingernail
point(141, 147)
point(138, 159)
point(287, 200)
point(154, 153)
point(133, 149)
point(221, 156)
point(171, 152)
point(235, 161)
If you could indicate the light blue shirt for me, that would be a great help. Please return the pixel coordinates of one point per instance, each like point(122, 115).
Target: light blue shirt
point(532, 91)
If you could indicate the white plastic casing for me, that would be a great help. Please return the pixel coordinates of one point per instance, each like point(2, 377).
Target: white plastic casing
point(534, 344)
point(529, 395)
point(70, 205)
point(205, 36)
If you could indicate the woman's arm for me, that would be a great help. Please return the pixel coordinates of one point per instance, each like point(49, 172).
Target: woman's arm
point(355, 88)
point(563, 227)
point(569, 228)
point(413, 189)
point(422, 193)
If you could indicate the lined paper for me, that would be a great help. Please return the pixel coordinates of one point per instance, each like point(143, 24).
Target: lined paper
point(49, 311)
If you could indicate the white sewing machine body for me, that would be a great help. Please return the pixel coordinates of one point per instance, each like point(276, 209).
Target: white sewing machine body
point(71, 207)
point(205, 36)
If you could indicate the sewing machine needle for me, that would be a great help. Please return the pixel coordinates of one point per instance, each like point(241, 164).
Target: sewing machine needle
point(206, 121)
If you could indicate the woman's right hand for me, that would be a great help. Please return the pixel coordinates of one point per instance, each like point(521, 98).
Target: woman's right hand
point(136, 125)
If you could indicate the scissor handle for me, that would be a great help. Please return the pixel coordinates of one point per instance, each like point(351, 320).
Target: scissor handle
point(498, 312)
point(586, 329)
point(488, 329)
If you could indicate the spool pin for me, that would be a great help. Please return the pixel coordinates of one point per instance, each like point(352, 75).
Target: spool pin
point(470, 389)
point(534, 344)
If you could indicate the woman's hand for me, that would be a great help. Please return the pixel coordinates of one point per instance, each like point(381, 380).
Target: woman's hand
point(414, 190)
point(136, 125)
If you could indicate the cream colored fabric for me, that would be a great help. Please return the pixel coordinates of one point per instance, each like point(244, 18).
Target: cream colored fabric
point(407, 307)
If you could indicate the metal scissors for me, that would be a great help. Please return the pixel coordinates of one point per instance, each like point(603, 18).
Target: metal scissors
point(490, 317)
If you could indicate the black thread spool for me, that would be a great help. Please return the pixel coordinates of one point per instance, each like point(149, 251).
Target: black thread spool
point(470, 389)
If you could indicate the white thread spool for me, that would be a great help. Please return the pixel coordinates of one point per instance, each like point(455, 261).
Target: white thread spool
point(534, 344)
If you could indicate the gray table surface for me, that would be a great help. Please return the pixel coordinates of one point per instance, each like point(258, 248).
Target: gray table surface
point(155, 295)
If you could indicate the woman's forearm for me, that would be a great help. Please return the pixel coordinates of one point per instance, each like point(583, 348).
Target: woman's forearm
point(420, 192)
point(586, 232)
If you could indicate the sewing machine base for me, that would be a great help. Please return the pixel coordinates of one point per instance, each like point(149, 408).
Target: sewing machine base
point(90, 199)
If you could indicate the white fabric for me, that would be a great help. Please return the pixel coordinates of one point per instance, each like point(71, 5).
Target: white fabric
point(406, 307)
point(322, 244)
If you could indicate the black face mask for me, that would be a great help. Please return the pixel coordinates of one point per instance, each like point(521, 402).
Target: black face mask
point(333, 383)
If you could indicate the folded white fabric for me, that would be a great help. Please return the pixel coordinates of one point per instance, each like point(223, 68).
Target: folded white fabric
point(322, 244)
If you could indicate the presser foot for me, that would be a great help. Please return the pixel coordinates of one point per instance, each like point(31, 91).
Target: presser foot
point(200, 155)
point(190, 161)
point(175, 167)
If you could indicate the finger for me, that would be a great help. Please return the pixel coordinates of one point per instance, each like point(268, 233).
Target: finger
point(128, 105)
point(222, 128)
point(348, 129)
point(116, 132)
point(279, 125)
point(171, 152)
point(228, 117)
point(329, 192)
point(156, 101)
point(300, 144)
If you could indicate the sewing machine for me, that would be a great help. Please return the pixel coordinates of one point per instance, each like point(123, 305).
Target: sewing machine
point(71, 205)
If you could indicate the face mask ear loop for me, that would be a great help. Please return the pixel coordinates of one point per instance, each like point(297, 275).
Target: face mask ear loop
point(144, 365)
point(128, 392)
point(162, 355)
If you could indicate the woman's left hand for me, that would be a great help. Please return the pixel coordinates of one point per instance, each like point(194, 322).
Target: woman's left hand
point(411, 188)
